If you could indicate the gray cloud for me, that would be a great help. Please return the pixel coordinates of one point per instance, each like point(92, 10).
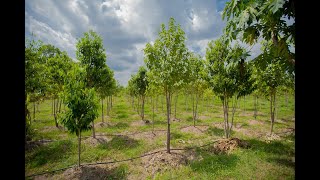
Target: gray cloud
point(125, 26)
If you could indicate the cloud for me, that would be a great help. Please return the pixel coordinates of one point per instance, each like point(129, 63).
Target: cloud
point(124, 25)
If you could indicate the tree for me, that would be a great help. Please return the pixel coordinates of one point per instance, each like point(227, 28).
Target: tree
point(269, 72)
point(35, 77)
point(105, 86)
point(82, 105)
point(91, 54)
point(140, 85)
point(58, 64)
point(222, 69)
point(197, 83)
point(252, 19)
point(167, 63)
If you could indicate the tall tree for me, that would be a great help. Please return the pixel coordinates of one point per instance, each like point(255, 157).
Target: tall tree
point(91, 54)
point(269, 72)
point(82, 104)
point(222, 68)
point(167, 63)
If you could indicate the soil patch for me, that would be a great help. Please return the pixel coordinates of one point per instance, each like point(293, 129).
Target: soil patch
point(227, 145)
point(96, 141)
point(52, 128)
point(163, 161)
point(30, 145)
point(139, 123)
point(148, 136)
point(203, 117)
point(102, 124)
point(255, 122)
point(94, 172)
point(195, 130)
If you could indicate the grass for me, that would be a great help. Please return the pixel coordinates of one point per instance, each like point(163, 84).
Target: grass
point(262, 161)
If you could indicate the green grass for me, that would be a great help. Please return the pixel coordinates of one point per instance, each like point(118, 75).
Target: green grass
point(262, 161)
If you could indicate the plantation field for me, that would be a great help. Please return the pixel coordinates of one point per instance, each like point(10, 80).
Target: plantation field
point(125, 135)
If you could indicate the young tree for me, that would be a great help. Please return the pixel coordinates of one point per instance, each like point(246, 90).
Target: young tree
point(91, 54)
point(197, 83)
point(269, 72)
point(35, 77)
point(167, 63)
point(222, 68)
point(104, 88)
point(58, 64)
point(141, 84)
point(82, 105)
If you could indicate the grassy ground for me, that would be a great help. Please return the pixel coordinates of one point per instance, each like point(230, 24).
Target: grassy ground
point(262, 161)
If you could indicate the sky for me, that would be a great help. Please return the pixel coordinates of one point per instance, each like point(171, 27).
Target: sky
point(125, 26)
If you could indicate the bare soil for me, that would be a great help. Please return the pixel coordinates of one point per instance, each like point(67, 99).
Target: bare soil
point(96, 141)
point(148, 136)
point(139, 123)
point(163, 161)
point(195, 130)
point(227, 145)
point(255, 122)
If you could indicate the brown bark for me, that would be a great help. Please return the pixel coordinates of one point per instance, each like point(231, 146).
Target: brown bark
point(93, 131)
point(34, 111)
point(175, 107)
point(79, 146)
point(142, 108)
point(168, 120)
point(102, 109)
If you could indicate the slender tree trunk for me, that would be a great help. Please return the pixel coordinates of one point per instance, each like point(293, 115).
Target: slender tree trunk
point(152, 101)
point(142, 108)
point(161, 102)
point(196, 108)
point(93, 130)
point(227, 117)
point(52, 106)
point(272, 108)
point(55, 114)
point(244, 103)
point(193, 109)
point(224, 117)
point(234, 104)
point(175, 107)
point(111, 101)
point(34, 111)
point(79, 147)
point(186, 98)
point(168, 120)
point(102, 110)
point(255, 107)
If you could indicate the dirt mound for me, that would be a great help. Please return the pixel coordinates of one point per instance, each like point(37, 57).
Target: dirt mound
point(163, 161)
point(196, 130)
point(140, 123)
point(101, 124)
point(148, 136)
point(227, 145)
point(271, 137)
point(255, 122)
point(96, 141)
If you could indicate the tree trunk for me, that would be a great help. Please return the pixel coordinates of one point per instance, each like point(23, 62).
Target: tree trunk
point(102, 110)
point(111, 101)
point(79, 147)
point(255, 107)
point(175, 107)
point(196, 108)
point(168, 121)
point(55, 114)
point(244, 103)
point(272, 108)
point(34, 111)
point(52, 106)
point(161, 102)
point(142, 108)
point(93, 131)
point(152, 101)
point(193, 114)
point(224, 117)
point(186, 102)
point(234, 104)
point(108, 104)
